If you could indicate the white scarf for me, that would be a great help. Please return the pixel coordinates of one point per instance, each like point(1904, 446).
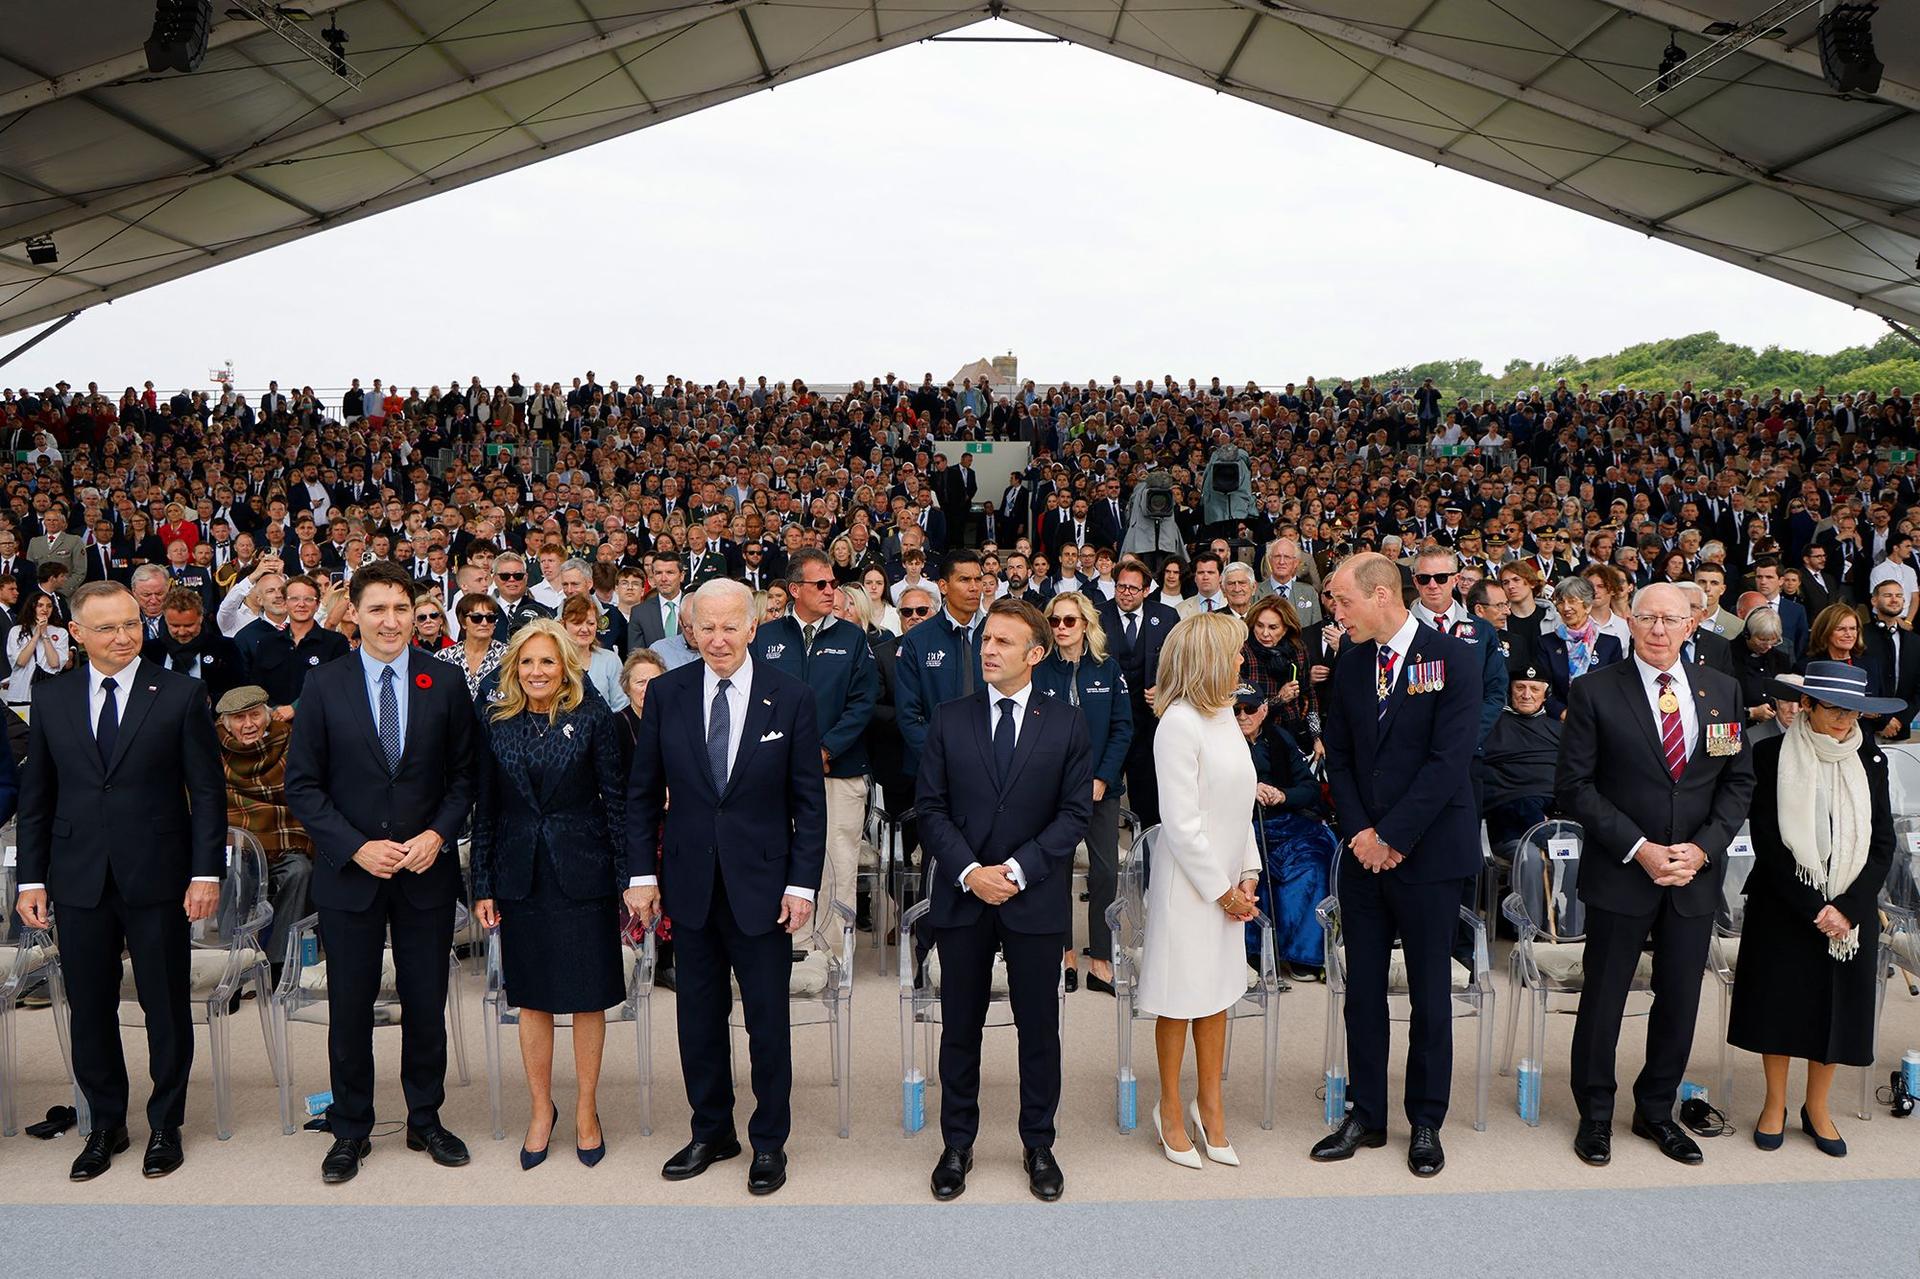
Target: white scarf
point(1811, 762)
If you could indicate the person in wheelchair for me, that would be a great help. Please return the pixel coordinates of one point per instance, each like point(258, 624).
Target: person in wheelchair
point(1295, 841)
point(1517, 762)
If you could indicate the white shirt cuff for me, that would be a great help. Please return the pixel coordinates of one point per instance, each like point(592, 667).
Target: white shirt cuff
point(205, 879)
point(804, 894)
point(644, 881)
point(1019, 876)
point(1634, 851)
point(27, 888)
point(971, 867)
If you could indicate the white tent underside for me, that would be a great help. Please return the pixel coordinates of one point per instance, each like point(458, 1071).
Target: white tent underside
point(143, 179)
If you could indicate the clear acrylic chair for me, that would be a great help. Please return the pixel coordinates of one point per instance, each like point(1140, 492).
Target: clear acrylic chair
point(1723, 955)
point(920, 1013)
point(227, 956)
point(29, 958)
point(637, 1008)
point(1549, 955)
point(1473, 996)
point(820, 988)
point(1900, 934)
point(1127, 918)
point(302, 996)
point(899, 882)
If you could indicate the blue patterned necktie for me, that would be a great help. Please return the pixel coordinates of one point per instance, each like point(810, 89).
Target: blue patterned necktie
point(717, 729)
point(389, 725)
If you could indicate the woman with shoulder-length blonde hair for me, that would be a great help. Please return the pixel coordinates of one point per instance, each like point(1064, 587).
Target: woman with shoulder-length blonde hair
point(1193, 967)
point(1079, 672)
point(549, 864)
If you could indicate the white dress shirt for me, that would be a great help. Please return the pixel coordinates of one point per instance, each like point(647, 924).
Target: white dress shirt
point(994, 698)
point(1400, 643)
point(738, 700)
point(1689, 714)
point(123, 680)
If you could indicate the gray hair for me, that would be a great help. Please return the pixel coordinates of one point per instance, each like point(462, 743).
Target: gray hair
point(576, 564)
point(1764, 623)
point(723, 593)
point(147, 573)
point(509, 557)
point(1696, 595)
point(1573, 588)
point(1238, 569)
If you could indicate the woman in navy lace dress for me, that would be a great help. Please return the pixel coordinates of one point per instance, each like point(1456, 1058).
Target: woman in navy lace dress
point(549, 840)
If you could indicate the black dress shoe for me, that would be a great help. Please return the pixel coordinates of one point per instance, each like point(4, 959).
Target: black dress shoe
point(1073, 980)
point(1044, 1177)
point(696, 1157)
point(447, 1150)
point(1594, 1142)
point(342, 1163)
point(665, 980)
point(97, 1155)
point(1350, 1136)
point(1670, 1137)
point(768, 1172)
point(1424, 1156)
point(950, 1174)
point(163, 1153)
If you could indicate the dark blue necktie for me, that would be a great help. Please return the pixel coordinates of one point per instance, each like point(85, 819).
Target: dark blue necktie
point(717, 729)
point(389, 725)
point(1003, 741)
point(108, 729)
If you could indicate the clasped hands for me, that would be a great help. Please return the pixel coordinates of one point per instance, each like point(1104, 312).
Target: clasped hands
point(1241, 902)
point(992, 884)
point(1671, 865)
point(1373, 853)
point(382, 858)
point(1832, 923)
point(643, 901)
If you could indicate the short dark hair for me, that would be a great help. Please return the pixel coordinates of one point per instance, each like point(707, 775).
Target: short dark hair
point(1710, 567)
point(1206, 557)
point(954, 559)
point(378, 573)
point(1766, 561)
point(1133, 564)
point(183, 599)
point(1014, 606)
point(800, 560)
point(1481, 593)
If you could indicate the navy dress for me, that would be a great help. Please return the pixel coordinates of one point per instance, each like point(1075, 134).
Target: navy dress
point(549, 847)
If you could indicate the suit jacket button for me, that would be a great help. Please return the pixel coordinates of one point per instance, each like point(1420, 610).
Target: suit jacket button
point(108, 786)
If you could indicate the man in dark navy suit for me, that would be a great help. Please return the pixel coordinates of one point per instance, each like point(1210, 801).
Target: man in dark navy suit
point(1136, 629)
point(737, 744)
point(380, 772)
point(122, 820)
point(1403, 711)
point(1005, 793)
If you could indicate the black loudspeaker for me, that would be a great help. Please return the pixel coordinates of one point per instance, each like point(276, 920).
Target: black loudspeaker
point(1846, 49)
point(179, 39)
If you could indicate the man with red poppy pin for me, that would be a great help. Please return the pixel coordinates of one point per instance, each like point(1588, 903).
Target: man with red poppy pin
point(380, 773)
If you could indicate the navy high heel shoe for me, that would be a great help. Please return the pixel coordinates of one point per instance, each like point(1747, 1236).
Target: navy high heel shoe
point(599, 1152)
point(531, 1159)
point(1835, 1146)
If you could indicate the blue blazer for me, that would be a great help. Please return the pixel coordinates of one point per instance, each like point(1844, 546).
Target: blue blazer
point(1478, 633)
point(1141, 665)
point(769, 828)
point(1406, 774)
point(930, 668)
point(1794, 629)
point(577, 812)
point(845, 684)
point(1036, 819)
point(338, 788)
point(1104, 703)
point(1553, 656)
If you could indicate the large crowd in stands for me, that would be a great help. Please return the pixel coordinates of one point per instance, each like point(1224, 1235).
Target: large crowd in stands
point(1525, 526)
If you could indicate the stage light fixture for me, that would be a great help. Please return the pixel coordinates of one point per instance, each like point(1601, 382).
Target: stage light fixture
point(180, 31)
point(1670, 60)
point(41, 251)
point(1846, 49)
point(336, 42)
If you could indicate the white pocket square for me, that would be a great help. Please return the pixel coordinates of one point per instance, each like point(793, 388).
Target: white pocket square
point(774, 736)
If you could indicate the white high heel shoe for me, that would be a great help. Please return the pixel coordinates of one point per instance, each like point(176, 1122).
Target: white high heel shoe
point(1219, 1154)
point(1188, 1158)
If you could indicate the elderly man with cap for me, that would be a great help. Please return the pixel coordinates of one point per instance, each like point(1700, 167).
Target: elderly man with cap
point(1518, 760)
point(253, 753)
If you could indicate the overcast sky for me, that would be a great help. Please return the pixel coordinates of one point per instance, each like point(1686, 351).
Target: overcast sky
point(927, 207)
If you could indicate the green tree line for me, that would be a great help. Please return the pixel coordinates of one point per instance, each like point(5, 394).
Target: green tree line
point(1701, 357)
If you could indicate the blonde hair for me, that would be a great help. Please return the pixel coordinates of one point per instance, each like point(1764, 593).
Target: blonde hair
point(1089, 618)
point(513, 698)
point(1200, 663)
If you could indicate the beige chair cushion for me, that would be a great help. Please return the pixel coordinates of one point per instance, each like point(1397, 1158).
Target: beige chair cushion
point(1397, 973)
point(997, 986)
point(1565, 963)
point(808, 979)
point(869, 856)
point(1725, 953)
point(1906, 951)
point(203, 972)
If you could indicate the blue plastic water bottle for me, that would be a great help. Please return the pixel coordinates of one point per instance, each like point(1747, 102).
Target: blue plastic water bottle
point(1690, 1090)
point(1910, 1068)
point(913, 1101)
point(1336, 1096)
point(310, 949)
point(1128, 1098)
point(318, 1102)
point(1527, 1091)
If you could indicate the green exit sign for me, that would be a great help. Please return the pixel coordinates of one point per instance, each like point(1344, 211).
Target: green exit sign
point(988, 448)
point(1900, 455)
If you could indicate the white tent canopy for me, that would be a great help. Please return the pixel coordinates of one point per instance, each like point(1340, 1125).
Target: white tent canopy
point(141, 179)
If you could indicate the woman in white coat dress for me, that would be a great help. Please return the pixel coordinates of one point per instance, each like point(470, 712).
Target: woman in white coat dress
point(1205, 870)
